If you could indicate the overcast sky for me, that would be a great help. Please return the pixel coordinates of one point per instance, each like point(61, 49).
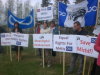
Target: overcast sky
point(33, 2)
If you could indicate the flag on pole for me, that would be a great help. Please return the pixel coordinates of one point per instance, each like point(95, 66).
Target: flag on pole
point(27, 22)
point(84, 12)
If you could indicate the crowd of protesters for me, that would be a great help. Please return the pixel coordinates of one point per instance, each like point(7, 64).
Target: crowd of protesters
point(45, 28)
point(52, 28)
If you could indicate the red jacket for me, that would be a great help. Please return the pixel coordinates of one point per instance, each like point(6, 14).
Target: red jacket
point(97, 48)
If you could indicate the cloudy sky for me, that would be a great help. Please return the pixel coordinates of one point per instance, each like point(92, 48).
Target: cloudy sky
point(33, 2)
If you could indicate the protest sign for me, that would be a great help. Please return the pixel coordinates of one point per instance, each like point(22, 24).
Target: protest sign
point(64, 43)
point(97, 30)
point(5, 39)
point(85, 46)
point(75, 44)
point(42, 41)
point(20, 39)
point(45, 13)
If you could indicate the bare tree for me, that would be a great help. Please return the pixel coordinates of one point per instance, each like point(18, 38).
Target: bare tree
point(27, 8)
point(11, 5)
point(19, 9)
point(1, 12)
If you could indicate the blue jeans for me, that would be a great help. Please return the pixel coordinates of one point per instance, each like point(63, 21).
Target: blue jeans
point(73, 62)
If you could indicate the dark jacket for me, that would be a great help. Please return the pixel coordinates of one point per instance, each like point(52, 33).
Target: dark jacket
point(1, 31)
point(55, 30)
point(82, 32)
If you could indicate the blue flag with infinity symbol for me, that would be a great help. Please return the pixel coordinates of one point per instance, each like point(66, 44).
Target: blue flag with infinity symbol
point(27, 22)
point(84, 12)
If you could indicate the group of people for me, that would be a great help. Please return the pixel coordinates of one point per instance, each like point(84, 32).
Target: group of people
point(45, 28)
point(42, 28)
point(52, 28)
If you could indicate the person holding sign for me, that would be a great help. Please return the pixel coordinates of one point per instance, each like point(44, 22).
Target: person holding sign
point(77, 31)
point(37, 31)
point(47, 52)
point(54, 28)
point(54, 31)
point(45, 29)
point(16, 48)
point(97, 48)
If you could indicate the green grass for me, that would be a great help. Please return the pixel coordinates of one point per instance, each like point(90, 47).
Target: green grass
point(29, 65)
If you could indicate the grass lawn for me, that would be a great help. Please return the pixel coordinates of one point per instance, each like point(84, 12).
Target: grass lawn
point(29, 65)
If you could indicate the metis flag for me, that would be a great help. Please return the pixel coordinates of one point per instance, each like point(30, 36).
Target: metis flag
point(84, 12)
point(27, 22)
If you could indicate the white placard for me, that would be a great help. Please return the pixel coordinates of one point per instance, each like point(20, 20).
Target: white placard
point(45, 13)
point(75, 44)
point(20, 39)
point(42, 41)
point(97, 30)
point(85, 46)
point(5, 39)
point(65, 43)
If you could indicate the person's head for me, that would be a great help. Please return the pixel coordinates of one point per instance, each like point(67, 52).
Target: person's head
point(52, 24)
point(39, 23)
point(45, 25)
point(77, 25)
point(16, 24)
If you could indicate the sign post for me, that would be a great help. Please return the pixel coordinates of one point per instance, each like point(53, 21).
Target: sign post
point(84, 65)
point(64, 63)
point(60, 55)
point(97, 13)
point(18, 53)
point(89, 68)
point(43, 58)
point(10, 54)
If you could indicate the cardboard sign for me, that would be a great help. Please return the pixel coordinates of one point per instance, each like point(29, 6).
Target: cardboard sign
point(42, 41)
point(45, 13)
point(75, 44)
point(5, 39)
point(97, 30)
point(20, 39)
point(64, 43)
point(85, 46)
